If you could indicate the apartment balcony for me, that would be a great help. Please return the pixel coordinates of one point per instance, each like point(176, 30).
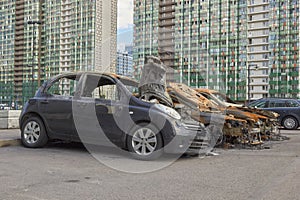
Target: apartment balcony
point(258, 44)
point(295, 74)
point(258, 52)
point(66, 2)
point(19, 33)
point(19, 48)
point(258, 4)
point(20, 22)
point(258, 36)
point(19, 62)
point(18, 73)
point(19, 14)
point(166, 44)
point(165, 30)
point(258, 28)
point(65, 8)
point(19, 6)
point(166, 23)
point(168, 9)
point(19, 88)
point(66, 25)
point(259, 92)
point(259, 12)
point(166, 16)
point(166, 37)
point(67, 13)
point(66, 30)
point(166, 3)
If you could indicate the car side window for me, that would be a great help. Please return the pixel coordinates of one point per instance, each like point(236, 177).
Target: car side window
point(65, 86)
point(272, 104)
point(108, 92)
point(277, 104)
point(291, 103)
point(100, 87)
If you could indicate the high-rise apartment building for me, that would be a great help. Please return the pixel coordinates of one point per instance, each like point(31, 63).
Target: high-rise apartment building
point(284, 48)
point(258, 47)
point(202, 42)
point(124, 64)
point(213, 43)
point(42, 38)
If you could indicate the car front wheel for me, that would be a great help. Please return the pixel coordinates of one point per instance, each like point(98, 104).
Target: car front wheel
point(290, 123)
point(145, 142)
point(33, 134)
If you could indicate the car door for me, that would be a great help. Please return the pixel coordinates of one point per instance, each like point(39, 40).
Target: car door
point(98, 109)
point(56, 107)
point(284, 107)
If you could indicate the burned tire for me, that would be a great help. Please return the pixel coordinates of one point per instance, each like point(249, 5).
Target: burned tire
point(33, 133)
point(290, 123)
point(145, 142)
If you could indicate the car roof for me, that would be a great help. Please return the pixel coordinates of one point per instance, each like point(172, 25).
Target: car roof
point(123, 79)
point(275, 98)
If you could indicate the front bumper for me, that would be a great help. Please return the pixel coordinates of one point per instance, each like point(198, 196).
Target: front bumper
point(189, 138)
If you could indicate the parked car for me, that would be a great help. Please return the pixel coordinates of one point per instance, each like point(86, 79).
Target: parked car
point(288, 109)
point(72, 98)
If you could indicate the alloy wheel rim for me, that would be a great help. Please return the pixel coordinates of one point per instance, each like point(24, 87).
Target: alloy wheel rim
point(289, 123)
point(32, 132)
point(144, 141)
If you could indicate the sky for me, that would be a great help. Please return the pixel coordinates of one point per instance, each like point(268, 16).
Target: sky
point(125, 22)
point(125, 13)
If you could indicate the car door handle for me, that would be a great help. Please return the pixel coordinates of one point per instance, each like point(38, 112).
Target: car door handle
point(44, 102)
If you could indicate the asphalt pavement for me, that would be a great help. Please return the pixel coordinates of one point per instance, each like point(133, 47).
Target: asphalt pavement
point(9, 137)
point(67, 171)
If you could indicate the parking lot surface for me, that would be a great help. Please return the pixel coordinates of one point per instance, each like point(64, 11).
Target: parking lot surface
point(67, 171)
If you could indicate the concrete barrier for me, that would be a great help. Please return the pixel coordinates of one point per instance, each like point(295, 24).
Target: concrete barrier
point(9, 119)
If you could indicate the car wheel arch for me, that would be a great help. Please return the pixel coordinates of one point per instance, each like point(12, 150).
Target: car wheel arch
point(33, 114)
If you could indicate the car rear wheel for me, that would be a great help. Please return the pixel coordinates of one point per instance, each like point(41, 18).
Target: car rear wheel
point(145, 142)
point(290, 123)
point(33, 134)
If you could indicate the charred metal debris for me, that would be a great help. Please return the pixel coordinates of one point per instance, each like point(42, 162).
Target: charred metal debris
point(228, 124)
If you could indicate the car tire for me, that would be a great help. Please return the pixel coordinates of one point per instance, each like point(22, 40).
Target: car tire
point(145, 142)
point(290, 123)
point(33, 133)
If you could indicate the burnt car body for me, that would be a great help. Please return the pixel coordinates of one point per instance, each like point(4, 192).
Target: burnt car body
point(99, 109)
point(288, 109)
point(260, 124)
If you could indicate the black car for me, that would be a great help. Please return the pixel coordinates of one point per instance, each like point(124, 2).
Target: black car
point(289, 110)
point(66, 106)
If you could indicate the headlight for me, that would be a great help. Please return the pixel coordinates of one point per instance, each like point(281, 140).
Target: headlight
point(169, 111)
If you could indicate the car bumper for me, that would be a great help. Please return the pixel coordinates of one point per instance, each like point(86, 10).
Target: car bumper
point(189, 138)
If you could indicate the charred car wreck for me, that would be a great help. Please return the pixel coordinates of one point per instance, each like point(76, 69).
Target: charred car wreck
point(225, 121)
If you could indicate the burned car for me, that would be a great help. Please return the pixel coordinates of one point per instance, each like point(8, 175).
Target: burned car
point(264, 122)
point(100, 108)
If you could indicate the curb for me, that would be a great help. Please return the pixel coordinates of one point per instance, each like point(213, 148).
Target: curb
point(7, 143)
